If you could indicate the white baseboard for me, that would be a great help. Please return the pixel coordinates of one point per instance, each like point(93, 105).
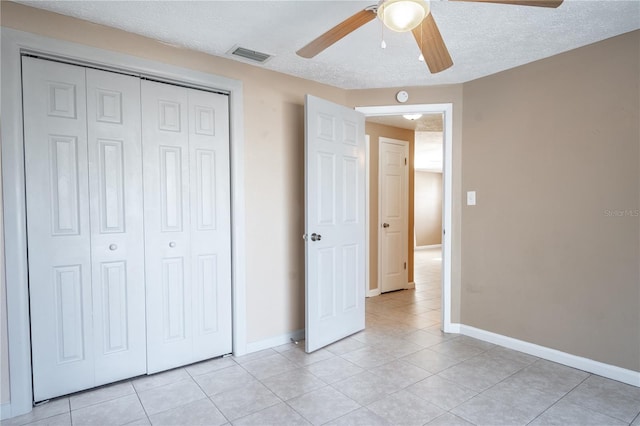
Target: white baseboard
point(373, 293)
point(428, 247)
point(453, 328)
point(411, 285)
point(275, 341)
point(5, 410)
point(596, 367)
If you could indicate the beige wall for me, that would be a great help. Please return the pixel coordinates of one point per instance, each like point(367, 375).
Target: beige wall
point(428, 208)
point(552, 149)
point(375, 132)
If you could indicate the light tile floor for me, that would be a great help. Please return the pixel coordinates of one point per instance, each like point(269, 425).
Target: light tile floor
point(400, 371)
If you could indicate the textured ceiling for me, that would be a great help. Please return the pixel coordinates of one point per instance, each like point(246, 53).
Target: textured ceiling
point(426, 123)
point(482, 38)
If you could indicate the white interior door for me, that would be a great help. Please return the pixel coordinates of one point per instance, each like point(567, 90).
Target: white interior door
point(165, 142)
point(335, 222)
point(393, 214)
point(187, 225)
point(59, 235)
point(82, 149)
point(210, 204)
point(117, 239)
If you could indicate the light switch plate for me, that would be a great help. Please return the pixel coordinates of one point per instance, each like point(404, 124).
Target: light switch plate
point(471, 198)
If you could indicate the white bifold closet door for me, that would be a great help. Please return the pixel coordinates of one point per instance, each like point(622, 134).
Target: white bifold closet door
point(119, 288)
point(85, 229)
point(187, 224)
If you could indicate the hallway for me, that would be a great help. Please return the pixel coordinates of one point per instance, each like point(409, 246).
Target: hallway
point(423, 303)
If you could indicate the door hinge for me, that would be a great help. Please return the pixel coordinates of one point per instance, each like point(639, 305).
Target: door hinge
point(405, 265)
point(405, 161)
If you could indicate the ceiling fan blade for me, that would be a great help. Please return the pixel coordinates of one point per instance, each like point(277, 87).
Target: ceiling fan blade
point(432, 46)
point(336, 33)
point(537, 3)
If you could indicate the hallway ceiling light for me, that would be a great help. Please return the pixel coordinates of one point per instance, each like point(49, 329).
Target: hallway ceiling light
point(412, 117)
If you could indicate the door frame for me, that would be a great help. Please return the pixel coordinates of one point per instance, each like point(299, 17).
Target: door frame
point(405, 230)
point(14, 44)
point(446, 109)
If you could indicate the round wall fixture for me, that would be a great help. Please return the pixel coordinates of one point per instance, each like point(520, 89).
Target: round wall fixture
point(402, 96)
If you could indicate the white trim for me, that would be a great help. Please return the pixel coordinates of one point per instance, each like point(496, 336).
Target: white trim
point(13, 42)
point(454, 328)
point(15, 228)
point(5, 410)
point(367, 215)
point(272, 342)
point(428, 170)
point(373, 293)
point(596, 367)
point(447, 174)
point(432, 246)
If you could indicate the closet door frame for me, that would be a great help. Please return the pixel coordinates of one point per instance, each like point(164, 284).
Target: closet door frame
point(14, 45)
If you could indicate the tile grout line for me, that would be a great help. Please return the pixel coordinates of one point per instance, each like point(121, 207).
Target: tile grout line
point(560, 399)
point(207, 396)
point(267, 387)
point(141, 404)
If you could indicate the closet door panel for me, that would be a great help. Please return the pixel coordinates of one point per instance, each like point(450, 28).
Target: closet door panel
point(128, 215)
point(167, 223)
point(117, 238)
point(210, 222)
point(57, 197)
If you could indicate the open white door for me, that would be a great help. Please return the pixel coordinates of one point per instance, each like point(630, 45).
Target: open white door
point(335, 222)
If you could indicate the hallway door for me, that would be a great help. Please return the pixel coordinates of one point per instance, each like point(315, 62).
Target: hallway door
point(393, 214)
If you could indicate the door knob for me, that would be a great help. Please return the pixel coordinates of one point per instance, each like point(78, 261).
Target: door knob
point(172, 244)
point(385, 225)
point(316, 237)
point(113, 247)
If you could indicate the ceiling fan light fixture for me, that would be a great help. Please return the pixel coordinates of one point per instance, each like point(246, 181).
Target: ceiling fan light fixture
point(402, 15)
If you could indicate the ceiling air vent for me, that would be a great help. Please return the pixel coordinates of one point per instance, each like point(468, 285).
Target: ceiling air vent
point(249, 54)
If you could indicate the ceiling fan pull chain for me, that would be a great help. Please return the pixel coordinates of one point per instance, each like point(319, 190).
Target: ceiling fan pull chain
point(383, 44)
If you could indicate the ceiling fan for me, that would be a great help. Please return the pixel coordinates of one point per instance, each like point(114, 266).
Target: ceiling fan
point(404, 16)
